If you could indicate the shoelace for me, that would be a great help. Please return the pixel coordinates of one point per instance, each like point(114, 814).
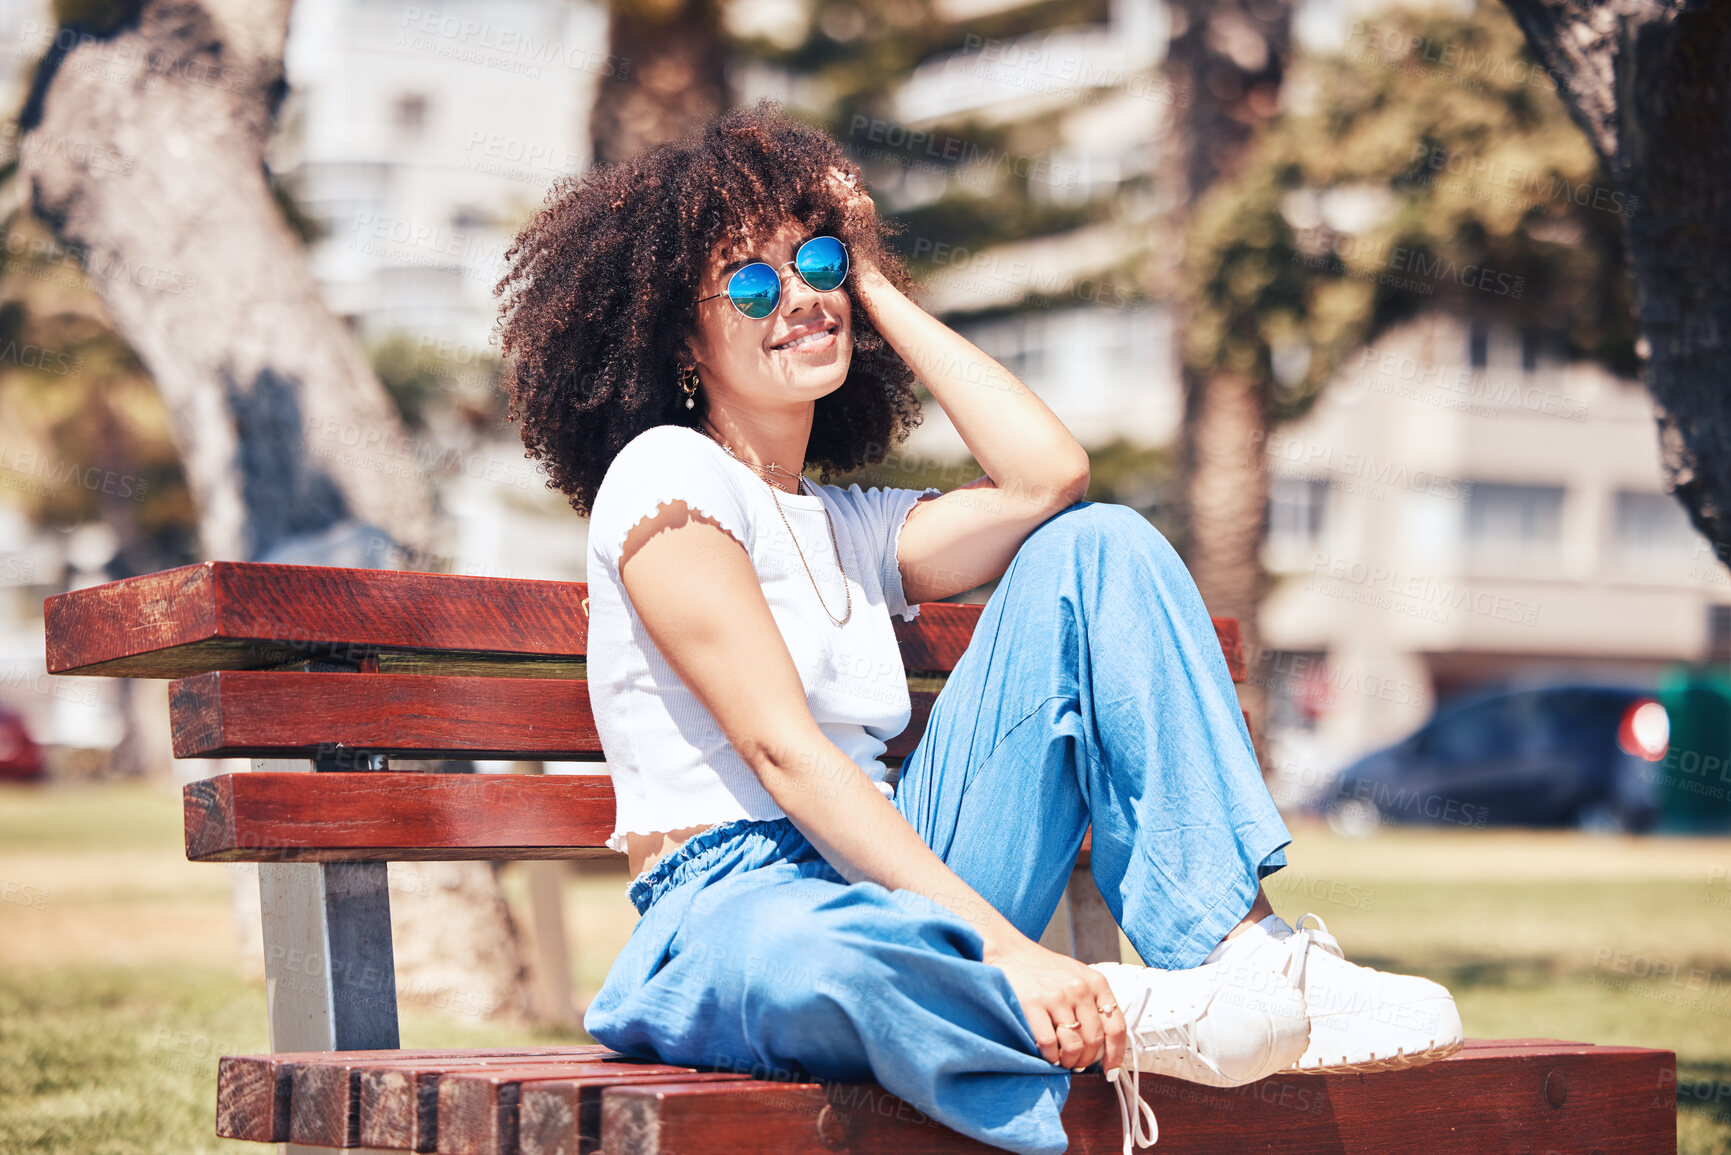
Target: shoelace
point(1303, 938)
point(1136, 1117)
point(1141, 1127)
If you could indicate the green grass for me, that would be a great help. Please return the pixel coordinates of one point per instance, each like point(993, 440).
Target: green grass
point(120, 983)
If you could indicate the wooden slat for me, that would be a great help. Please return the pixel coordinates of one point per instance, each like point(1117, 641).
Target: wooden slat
point(1496, 1095)
point(247, 615)
point(1562, 1097)
point(253, 1092)
point(233, 615)
point(934, 640)
point(1232, 645)
point(563, 1116)
point(236, 615)
point(341, 817)
point(325, 1095)
point(399, 1107)
point(478, 1109)
point(264, 714)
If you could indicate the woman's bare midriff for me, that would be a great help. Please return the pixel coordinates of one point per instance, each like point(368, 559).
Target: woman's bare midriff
point(645, 850)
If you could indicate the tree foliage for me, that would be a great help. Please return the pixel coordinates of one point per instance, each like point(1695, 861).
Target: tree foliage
point(969, 182)
point(1429, 165)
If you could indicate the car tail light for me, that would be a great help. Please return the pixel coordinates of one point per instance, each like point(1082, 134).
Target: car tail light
point(1645, 731)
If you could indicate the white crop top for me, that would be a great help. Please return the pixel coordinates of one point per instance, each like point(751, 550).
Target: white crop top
point(671, 765)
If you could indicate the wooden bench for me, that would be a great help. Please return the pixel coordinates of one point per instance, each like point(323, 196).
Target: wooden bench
point(264, 661)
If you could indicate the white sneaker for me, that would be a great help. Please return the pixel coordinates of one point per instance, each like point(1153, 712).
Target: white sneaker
point(1360, 1019)
point(1223, 1024)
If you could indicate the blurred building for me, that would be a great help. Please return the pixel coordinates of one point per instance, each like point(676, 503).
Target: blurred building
point(418, 139)
point(1100, 355)
point(1463, 508)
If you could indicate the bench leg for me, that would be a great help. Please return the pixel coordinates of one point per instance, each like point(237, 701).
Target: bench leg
point(329, 978)
point(329, 971)
point(330, 983)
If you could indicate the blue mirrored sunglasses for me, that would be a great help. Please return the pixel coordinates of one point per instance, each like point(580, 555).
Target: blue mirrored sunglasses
point(755, 289)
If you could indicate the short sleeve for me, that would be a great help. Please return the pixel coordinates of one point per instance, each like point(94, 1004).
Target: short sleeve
point(884, 511)
point(661, 465)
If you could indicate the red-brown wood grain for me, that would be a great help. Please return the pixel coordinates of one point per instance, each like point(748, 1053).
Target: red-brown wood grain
point(563, 1116)
point(253, 1092)
point(390, 817)
point(326, 1097)
point(259, 713)
point(1569, 1097)
point(1232, 645)
point(1513, 1095)
point(244, 615)
point(478, 1110)
point(399, 1102)
point(236, 615)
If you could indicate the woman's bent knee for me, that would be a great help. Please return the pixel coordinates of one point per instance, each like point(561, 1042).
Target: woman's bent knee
point(1087, 523)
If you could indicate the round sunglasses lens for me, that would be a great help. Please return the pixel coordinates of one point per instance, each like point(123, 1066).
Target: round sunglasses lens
point(822, 261)
point(755, 290)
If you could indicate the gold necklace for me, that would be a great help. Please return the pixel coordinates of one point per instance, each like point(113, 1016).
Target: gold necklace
point(768, 474)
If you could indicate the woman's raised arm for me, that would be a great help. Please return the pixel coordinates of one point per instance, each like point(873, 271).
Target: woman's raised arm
point(1033, 466)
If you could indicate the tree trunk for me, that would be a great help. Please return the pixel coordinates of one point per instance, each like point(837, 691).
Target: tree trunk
point(1225, 63)
point(1651, 85)
point(148, 161)
point(1228, 494)
point(669, 77)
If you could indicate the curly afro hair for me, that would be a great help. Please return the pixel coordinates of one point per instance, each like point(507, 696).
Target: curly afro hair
point(601, 290)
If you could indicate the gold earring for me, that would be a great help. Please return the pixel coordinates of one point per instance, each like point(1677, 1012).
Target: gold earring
point(688, 385)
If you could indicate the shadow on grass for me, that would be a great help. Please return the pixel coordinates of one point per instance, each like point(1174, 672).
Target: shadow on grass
point(1704, 1090)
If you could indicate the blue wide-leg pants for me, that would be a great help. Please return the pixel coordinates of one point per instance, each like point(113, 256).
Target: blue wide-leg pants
point(1093, 690)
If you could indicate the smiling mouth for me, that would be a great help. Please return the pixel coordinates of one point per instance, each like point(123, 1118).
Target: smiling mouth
point(810, 339)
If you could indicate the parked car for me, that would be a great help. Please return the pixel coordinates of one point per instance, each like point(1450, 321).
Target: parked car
point(20, 756)
point(1561, 755)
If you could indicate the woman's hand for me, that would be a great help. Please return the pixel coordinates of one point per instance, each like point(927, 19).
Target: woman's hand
point(1056, 991)
point(855, 200)
point(860, 209)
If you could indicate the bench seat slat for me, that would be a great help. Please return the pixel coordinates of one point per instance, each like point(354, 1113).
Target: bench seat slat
point(342, 817)
point(253, 1092)
point(1495, 1095)
point(1576, 1097)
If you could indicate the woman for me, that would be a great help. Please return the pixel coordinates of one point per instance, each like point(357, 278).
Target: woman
point(689, 333)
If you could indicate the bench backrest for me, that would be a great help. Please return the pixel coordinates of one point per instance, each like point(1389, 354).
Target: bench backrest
point(351, 667)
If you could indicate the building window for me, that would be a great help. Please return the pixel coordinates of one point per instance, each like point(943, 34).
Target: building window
point(1719, 633)
point(1295, 506)
point(1479, 345)
point(1298, 687)
point(1650, 523)
point(409, 113)
point(1524, 520)
point(1017, 343)
point(1529, 350)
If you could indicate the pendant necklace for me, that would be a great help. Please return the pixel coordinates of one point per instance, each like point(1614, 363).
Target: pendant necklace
point(768, 474)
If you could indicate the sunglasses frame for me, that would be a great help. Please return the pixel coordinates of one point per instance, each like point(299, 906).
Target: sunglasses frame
point(728, 292)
